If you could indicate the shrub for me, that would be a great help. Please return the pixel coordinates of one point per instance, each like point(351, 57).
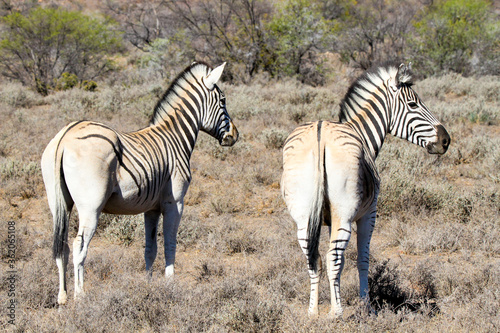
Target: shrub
point(37, 49)
point(122, 228)
point(16, 96)
point(374, 32)
point(274, 138)
point(454, 32)
point(165, 57)
point(89, 85)
point(66, 81)
point(298, 32)
point(386, 288)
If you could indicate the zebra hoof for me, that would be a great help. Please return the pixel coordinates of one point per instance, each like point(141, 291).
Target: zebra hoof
point(62, 298)
point(336, 314)
point(79, 295)
point(313, 313)
point(169, 272)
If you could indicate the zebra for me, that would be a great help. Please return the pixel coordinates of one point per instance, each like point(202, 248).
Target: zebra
point(100, 169)
point(329, 173)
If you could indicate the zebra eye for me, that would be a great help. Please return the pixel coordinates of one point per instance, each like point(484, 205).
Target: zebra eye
point(413, 105)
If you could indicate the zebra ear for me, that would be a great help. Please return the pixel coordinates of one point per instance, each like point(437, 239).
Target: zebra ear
point(404, 74)
point(214, 76)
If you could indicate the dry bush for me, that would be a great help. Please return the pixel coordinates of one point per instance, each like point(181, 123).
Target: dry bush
point(274, 138)
point(17, 96)
point(192, 231)
point(123, 229)
point(38, 282)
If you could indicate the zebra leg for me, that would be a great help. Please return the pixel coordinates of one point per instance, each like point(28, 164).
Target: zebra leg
point(150, 230)
point(364, 234)
point(340, 233)
point(300, 182)
point(314, 274)
point(86, 230)
point(62, 265)
point(298, 196)
point(172, 213)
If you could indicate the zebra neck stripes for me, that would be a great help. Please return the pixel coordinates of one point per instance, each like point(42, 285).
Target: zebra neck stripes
point(382, 101)
point(366, 108)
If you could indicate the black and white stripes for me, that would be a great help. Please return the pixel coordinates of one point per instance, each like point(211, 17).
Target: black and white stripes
point(376, 105)
point(329, 173)
point(100, 169)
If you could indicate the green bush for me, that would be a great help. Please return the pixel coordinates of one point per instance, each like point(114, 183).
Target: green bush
point(89, 85)
point(66, 81)
point(55, 45)
point(459, 36)
point(298, 31)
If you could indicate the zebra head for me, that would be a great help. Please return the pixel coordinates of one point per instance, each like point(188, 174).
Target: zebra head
point(411, 119)
point(216, 120)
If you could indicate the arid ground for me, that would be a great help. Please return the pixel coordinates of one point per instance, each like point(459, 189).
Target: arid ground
point(435, 254)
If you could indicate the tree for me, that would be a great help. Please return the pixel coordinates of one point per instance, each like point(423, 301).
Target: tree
point(225, 30)
point(298, 32)
point(39, 47)
point(210, 30)
point(459, 36)
point(165, 57)
point(143, 21)
point(374, 32)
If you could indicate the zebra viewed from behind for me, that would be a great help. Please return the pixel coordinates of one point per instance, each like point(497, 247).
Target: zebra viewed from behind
point(98, 169)
point(329, 174)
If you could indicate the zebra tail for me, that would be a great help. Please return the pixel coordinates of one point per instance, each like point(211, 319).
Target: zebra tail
point(61, 211)
point(316, 216)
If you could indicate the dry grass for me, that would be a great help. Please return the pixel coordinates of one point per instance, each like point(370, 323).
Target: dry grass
point(435, 251)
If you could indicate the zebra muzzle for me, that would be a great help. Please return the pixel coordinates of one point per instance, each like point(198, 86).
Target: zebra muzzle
point(230, 137)
point(442, 143)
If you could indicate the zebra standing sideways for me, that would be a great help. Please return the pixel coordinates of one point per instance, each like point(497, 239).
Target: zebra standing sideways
point(99, 169)
point(329, 174)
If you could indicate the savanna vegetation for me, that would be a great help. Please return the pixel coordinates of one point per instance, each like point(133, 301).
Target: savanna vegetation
point(435, 254)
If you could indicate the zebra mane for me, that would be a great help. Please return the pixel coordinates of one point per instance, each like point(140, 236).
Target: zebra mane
point(192, 73)
point(375, 78)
